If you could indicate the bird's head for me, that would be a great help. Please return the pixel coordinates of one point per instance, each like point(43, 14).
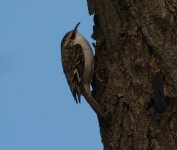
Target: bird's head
point(69, 37)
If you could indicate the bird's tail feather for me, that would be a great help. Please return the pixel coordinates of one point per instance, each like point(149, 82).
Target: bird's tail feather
point(95, 106)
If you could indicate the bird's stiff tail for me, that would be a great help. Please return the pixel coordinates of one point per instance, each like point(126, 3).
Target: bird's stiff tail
point(95, 106)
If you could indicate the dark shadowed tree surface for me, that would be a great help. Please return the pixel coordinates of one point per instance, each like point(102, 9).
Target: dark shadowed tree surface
point(136, 72)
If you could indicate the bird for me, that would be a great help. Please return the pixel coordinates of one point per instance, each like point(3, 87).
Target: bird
point(78, 66)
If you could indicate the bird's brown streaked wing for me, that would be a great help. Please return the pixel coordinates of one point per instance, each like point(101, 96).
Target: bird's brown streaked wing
point(73, 66)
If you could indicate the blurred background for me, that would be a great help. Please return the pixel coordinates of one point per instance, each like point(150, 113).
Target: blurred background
point(37, 110)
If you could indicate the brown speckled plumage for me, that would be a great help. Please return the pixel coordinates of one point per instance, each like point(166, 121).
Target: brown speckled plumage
point(78, 66)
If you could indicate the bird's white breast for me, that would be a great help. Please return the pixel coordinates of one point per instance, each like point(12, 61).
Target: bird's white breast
point(88, 57)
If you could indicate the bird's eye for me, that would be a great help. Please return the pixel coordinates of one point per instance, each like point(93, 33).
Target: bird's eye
point(73, 35)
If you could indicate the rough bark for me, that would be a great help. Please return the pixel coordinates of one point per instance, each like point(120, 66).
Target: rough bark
point(135, 41)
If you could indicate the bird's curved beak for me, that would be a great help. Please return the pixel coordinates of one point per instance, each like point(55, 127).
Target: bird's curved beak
point(75, 29)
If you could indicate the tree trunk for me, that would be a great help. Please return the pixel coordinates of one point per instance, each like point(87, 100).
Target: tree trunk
point(136, 72)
